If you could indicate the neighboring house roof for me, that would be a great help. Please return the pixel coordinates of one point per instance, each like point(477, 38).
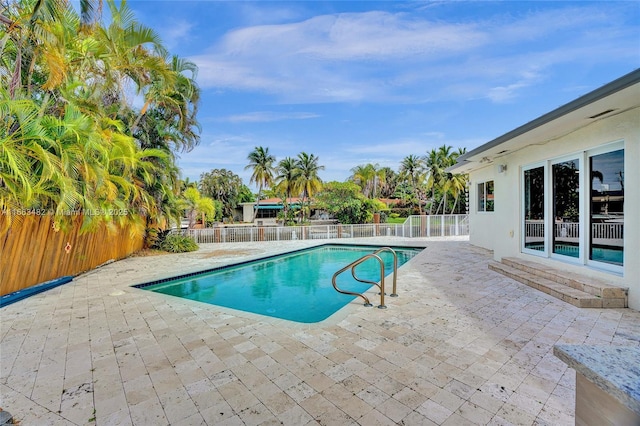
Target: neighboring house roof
point(611, 99)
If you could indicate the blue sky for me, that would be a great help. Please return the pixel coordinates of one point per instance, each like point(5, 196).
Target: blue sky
point(373, 81)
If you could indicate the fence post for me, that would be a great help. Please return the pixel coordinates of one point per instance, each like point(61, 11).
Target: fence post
point(428, 225)
point(442, 225)
point(457, 230)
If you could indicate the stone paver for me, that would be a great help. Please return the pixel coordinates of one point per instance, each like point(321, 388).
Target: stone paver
point(461, 345)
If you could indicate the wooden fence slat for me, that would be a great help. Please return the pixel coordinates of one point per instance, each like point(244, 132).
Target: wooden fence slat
point(32, 252)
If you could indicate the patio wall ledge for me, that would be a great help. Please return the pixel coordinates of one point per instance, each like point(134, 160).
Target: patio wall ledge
point(607, 383)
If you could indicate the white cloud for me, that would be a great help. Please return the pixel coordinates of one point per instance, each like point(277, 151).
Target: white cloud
point(267, 116)
point(175, 33)
point(380, 56)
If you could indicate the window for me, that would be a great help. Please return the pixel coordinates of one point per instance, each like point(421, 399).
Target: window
point(266, 212)
point(485, 196)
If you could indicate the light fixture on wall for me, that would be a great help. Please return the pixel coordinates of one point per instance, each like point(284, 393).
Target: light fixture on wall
point(502, 168)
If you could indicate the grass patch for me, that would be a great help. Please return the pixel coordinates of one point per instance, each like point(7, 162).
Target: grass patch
point(394, 220)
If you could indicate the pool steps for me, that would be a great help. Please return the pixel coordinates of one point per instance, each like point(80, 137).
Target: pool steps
point(579, 290)
point(352, 267)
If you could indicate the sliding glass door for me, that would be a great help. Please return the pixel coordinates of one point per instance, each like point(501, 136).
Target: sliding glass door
point(534, 209)
point(573, 208)
point(566, 208)
point(606, 214)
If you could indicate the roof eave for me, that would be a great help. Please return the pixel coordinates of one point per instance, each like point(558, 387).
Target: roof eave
point(464, 163)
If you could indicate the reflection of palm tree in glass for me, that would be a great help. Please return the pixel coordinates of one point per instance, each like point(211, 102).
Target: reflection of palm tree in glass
point(595, 174)
point(534, 190)
point(621, 179)
point(566, 184)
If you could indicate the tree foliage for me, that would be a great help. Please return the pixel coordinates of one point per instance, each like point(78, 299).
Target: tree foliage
point(194, 203)
point(345, 201)
point(308, 178)
point(70, 138)
point(226, 187)
point(261, 164)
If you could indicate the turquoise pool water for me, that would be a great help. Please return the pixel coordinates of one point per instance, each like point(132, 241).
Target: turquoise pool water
point(295, 286)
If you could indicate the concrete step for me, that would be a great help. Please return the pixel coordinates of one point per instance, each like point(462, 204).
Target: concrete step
point(564, 292)
point(580, 282)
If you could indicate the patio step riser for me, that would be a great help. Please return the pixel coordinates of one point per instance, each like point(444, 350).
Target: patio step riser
point(569, 294)
point(594, 287)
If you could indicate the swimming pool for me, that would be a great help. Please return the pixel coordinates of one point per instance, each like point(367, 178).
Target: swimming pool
point(295, 286)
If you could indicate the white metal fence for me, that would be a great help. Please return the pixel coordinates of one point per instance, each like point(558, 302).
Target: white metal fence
point(610, 234)
point(413, 227)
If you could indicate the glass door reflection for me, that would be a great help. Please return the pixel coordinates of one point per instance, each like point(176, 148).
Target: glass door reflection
point(534, 232)
point(566, 208)
point(607, 207)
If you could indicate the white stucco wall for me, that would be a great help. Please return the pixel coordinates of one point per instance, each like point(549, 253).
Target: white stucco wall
point(494, 230)
point(247, 212)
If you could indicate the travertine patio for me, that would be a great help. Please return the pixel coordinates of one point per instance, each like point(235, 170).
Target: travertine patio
point(461, 345)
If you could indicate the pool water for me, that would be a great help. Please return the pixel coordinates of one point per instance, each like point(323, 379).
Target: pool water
point(294, 286)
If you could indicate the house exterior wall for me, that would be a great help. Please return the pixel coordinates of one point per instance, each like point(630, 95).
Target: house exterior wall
point(501, 230)
point(247, 211)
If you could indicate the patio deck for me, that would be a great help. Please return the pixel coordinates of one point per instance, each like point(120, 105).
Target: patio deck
point(461, 345)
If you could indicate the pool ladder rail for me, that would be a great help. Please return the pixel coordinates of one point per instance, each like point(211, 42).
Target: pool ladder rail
point(364, 258)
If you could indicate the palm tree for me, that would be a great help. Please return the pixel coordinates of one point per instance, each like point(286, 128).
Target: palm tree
point(66, 129)
point(172, 99)
point(194, 203)
point(411, 168)
point(308, 179)
point(261, 162)
point(369, 177)
point(26, 163)
point(441, 182)
point(435, 171)
point(389, 182)
point(457, 185)
point(287, 181)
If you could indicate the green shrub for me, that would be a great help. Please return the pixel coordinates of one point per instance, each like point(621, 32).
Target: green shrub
point(178, 244)
point(152, 238)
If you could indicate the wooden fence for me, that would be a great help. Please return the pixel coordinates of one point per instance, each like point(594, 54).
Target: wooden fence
point(32, 251)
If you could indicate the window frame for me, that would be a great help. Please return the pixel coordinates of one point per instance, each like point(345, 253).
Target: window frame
point(482, 196)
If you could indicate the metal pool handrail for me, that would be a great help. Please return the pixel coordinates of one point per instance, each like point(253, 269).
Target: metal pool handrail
point(395, 267)
point(355, 263)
